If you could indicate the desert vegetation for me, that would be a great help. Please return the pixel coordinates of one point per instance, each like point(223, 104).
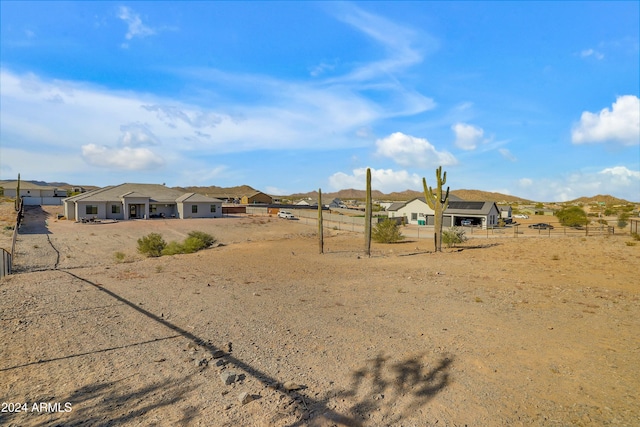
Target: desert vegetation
point(153, 245)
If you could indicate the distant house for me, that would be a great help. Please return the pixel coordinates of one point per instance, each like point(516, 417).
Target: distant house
point(307, 202)
point(336, 204)
point(418, 212)
point(506, 213)
point(34, 194)
point(140, 201)
point(256, 198)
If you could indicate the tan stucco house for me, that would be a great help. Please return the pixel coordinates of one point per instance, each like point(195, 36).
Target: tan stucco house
point(140, 201)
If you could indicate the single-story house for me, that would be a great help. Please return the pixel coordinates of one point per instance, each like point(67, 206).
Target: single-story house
point(336, 204)
point(307, 202)
point(418, 212)
point(256, 198)
point(506, 212)
point(34, 194)
point(140, 201)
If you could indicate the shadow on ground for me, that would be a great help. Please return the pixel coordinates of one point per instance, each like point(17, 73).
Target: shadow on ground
point(397, 388)
point(34, 221)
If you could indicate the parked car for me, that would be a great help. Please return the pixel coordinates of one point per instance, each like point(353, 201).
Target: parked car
point(466, 222)
point(521, 216)
point(285, 215)
point(541, 226)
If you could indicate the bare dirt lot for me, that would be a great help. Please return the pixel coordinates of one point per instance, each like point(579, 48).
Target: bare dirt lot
point(264, 331)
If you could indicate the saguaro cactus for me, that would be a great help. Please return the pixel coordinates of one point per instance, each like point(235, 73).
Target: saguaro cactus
point(438, 203)
point(320, 225)
point(17, 204)
point(367, 216)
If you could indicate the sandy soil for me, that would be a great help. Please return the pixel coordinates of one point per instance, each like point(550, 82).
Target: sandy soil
point(503, 331)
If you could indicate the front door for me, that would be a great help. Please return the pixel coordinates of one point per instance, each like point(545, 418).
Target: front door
point(133, 211)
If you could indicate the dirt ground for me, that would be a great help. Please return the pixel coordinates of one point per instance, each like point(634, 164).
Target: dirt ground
point(502, 331)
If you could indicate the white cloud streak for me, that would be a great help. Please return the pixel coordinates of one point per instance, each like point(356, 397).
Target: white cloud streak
point(620, 124)
point(135, 27)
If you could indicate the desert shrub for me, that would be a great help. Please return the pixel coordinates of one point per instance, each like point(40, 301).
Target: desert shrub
point(623, 218)
point(206, 239)
point(387, 231)
point(635, 236)
point(119, 256)
point(572, 216)
point(193, 244)
point(453, 236)
point(151, 245)
point(173, 248)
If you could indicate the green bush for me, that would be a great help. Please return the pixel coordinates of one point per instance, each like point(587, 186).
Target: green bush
point(453, 236)
point(173, 248)
point(151, 245)
point(387, 231)
point(206, 239)
point(154, 246)
point(572, 216)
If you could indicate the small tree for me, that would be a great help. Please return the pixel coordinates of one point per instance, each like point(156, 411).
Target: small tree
point(623, 218)
point(387, 231)
point(151, 245)
point(453, 236)
point(572, 216)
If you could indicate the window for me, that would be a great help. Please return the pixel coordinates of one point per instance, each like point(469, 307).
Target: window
point(115, 209)
point(194, 208)
point(213, 208)
point(153, 208)
point(414, 216)
point(91, 210)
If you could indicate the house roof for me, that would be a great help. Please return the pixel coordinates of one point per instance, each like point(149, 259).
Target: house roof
point(397, 205)
point(456, 206)
point(470, 207)
point(155, 192)
point(195, 198)
point(25, 185)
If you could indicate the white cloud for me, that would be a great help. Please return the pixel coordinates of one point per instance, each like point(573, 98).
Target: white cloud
point(126, 158)
point(621, 176)
point(136, 134)
point(467, 136)
point(619, 181)
point(135, 27)
point(385, 180)
point(591, 53)
point(620, 124)
point(408, 150)
point(275, 191)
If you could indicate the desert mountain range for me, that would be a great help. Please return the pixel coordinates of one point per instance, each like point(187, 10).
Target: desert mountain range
point(353, 194)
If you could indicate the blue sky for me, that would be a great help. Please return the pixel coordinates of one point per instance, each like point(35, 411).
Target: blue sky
point(539, 100)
